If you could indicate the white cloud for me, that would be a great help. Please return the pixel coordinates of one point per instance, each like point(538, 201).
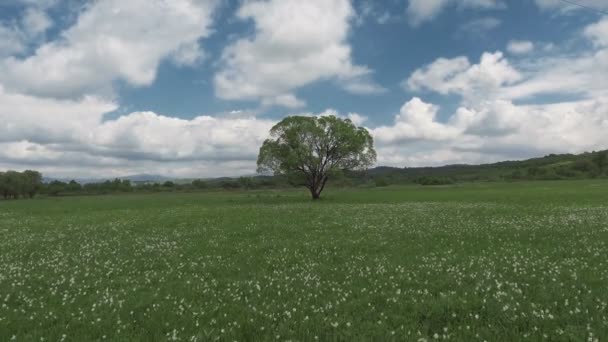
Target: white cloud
point(149, 136)
point(490, 125)
point(598, 33)
point(457, 76)
point(579, 75)
point(112, 40)
point(363, 86)
point(188, 54)
point(25, 117)
point(70, 136)
point(295, 43)
point(374, 10)
point(416, 121)
point(481, 26)
point(494, 131)
point(18, 34)
point(11, 41)
point(35, 21)
point(357, 119)
point(565, 7)
point(285, 100)
point(520, 47)
point(420, 11)
point(54, 134)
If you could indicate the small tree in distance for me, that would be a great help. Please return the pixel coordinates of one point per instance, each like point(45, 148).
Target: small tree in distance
point(312, 148)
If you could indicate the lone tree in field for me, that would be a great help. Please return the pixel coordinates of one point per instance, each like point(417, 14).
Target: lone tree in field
point(312, 148)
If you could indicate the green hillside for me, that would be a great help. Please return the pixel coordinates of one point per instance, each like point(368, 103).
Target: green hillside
point(550, 167)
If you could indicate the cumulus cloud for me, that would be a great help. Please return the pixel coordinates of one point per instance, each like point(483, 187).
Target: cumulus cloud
point(43, 120)
point(416, 121)
point(474, 82)
point(72, 138)
point(357, 119)
point(420, 11)
point(50, 132)
point(494, 131)
point(295, 43)
point(581, 75)
point(46, 126)
point(96, 51)
point(492, 122)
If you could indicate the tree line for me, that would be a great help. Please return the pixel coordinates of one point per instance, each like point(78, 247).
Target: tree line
point(14, 185)
point(61, 188)
point(28, 184)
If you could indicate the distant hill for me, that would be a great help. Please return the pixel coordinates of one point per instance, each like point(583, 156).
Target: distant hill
point(146, 178)
point(553, 166)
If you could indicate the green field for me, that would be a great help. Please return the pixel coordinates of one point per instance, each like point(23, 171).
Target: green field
point(495, 262)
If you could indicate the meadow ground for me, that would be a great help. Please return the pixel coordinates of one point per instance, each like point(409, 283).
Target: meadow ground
point(495, 262)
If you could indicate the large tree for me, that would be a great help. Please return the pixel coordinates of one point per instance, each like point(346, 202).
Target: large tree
point(312, 148)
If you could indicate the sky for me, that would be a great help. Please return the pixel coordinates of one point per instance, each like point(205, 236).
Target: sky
point(190, 88)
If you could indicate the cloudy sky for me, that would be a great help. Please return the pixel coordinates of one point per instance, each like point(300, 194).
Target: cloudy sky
point(190, 88)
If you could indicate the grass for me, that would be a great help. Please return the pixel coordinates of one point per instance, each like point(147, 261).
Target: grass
point(495, 262)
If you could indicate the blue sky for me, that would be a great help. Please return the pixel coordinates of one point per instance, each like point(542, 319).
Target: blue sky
point(189, 88)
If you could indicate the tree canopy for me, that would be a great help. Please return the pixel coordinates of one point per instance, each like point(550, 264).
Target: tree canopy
point(311, 149)
point(15, 184)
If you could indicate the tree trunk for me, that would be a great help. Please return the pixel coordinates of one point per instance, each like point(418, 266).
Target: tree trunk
point(317, 187)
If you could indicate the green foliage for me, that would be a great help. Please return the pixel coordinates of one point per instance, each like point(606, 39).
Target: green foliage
point(381, 182)
point(230, 184)
point(601, 160)
point(59, 188)
point(583, 165)
point(246, 183)
point(199, 184)
point(55, 188)
point(309, 149)
point(15, 184)
point(73, 187)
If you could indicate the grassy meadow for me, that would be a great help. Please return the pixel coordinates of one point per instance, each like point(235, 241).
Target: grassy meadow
point(475, 262)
